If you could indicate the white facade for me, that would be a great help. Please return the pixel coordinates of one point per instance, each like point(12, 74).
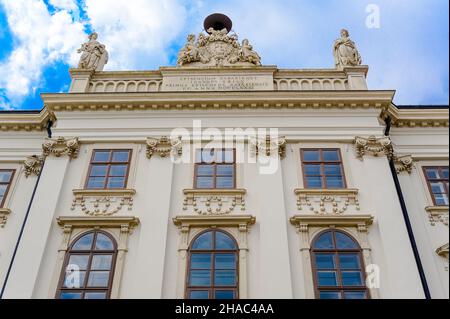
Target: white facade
point(275, 216)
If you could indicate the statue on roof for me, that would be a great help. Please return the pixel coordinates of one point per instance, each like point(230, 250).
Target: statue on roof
point(94, 55)
point(345, 51)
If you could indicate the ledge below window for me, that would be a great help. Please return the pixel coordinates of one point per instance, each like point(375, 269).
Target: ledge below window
point(215, 191)
point(4, 213)
point(317, 191)
point(104, 192)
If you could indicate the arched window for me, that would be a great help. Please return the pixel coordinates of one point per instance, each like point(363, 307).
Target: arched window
point(213, 267)
point(338, 267)
point(88, 267)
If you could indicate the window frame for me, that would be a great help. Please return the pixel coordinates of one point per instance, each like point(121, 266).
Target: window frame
point(430, 189)
point(109, 164)
point(322, 163)
point(92, 252)
point(8, 185)
point(212, 252)
point(214, 176)
point(336, 252)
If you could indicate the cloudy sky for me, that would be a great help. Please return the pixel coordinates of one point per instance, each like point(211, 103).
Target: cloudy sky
point(408, 51)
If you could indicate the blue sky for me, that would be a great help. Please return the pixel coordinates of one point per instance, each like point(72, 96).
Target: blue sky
point(409, 51)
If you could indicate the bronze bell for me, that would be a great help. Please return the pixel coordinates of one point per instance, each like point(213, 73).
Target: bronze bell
point(218, 22)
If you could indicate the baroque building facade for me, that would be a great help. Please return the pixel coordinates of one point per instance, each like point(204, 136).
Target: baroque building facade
point(128, 187)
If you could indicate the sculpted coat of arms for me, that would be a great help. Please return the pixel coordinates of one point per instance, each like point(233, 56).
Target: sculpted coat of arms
point(217, 48)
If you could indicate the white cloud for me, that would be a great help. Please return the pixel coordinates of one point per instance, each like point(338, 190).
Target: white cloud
point(42, 39)
point(136, 33)
point(69, 5)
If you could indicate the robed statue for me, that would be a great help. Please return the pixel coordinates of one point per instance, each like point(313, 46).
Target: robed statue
point(94, 55)
point(345, 51)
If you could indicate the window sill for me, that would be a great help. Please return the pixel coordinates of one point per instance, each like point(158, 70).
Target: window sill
point(104, 192)
point(215, 191)
point(4, 212)
point(437, 214)
point(437, 209)
point(323, 191)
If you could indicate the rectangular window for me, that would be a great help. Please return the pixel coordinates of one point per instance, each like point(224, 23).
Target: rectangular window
point(6, 177)
point(215, 169)
point(322, 168)
point(437, 179)
point(109, 169)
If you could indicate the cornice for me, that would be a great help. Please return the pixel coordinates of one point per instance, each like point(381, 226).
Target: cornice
point(327, 220)
point(214, 100)
point(201, 221)
point(25, 121)
point(414, 117)
point(88, 221)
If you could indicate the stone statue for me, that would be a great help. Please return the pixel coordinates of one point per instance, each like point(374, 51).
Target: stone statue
point(94, 55)
point(217, 48)
point(248, 55)
point(345, 51)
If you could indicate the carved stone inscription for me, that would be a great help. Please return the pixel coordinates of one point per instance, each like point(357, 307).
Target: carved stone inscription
point(218, 83)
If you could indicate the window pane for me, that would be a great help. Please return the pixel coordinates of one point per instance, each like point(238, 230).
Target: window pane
point(3, 188)
point(312, 169)
point(197, 294)
point(332, 170)
point(101, 262)
point(80, 261)
point(205, 182)
point(225, 278)
point(335, 182)
point(313, 182)
point(101, 156)
point(224, 242)
point(200, 278)
point(224, 182)
point(432, 173)
point(120, 156)
point(116, 182)
point(225, 261)
point(331, 155)
point(208, 156)
point(355, 295)
point(118, 170)
point(98, 279)
point(349, 261)
point(95, 295)
point(96, 182)
point(98, 170)
point(438, 188)
point(224, 294)
point(345, 242)
point(311, 156)
point(444, 173)
point(204, 241)
point(441, 199)
point(5, 176)
point(70, 295)
point(200, 261)
point(205, 170)
point(229, 156)
point(330, 295)
point(74, 279)
point(325, 241)
point(84, 243)
point(326, 278)
point(351, 278)
point(103, 242)
point(325, 261)
point(225, 170)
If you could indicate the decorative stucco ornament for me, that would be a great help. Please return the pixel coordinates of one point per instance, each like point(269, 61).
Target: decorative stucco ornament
point(345, 51)
point(33, 165)
point(61, 146)
point(94, 55)
point(218, 47)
